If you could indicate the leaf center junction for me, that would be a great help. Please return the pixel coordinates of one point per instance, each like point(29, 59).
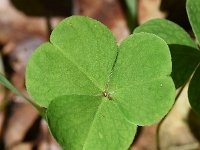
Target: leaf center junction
point(107, 94)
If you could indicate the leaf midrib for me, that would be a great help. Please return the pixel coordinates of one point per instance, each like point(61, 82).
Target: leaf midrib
point(91, 79)
point(92, 124)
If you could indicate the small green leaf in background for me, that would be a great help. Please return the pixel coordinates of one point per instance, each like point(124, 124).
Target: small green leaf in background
point(193, 10)
point(184, 52)
point(194, 91)
point(96, 92)
point(131, 12)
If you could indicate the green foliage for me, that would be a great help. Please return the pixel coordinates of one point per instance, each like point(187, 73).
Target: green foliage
point(77, 61)
point(193, 11)
point(194, 91)
point(185, 53)
point(95, 92)
point(131, 4)
point(169, 31)
point(131, 12)
point(89, 122)
point(183, 49)
point(141, 78)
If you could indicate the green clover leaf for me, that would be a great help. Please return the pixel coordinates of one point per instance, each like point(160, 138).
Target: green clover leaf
point(88, 123)
point(184, 51)
point(193, 11)
point(95, 92)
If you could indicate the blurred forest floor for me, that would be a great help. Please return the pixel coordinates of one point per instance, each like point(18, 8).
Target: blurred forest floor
point(21, 128)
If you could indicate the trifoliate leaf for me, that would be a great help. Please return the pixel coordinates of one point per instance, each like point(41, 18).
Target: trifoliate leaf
point(185, 56)
point(95, 99)
point(193, 11)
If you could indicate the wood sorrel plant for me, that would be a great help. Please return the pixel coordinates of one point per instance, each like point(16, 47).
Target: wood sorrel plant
point(185, 53)
point(95, 92)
